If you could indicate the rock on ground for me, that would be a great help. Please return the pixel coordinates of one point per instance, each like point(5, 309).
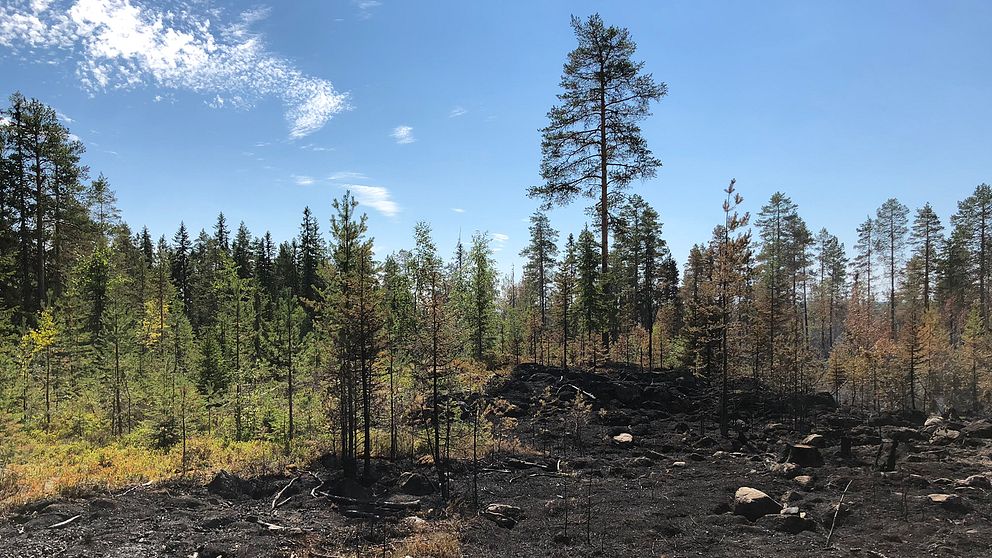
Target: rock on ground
point(416, 484)
point(753, 503)
point(805, 456)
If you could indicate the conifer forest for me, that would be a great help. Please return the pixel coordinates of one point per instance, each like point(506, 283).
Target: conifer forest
point(223, 391)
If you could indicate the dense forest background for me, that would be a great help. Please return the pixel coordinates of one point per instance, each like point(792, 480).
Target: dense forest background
point(113, 335)
point(108, 330)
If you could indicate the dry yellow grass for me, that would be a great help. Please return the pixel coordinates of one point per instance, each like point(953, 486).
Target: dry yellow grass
point(40, 468)
point(432, 544)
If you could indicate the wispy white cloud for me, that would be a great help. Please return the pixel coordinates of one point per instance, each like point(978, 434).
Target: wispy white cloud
point(314, 147)
point(365, 7)
point(347, 175)
point(403, 134)
point(64, 117)
point(303, 180)
point(124, 44)
point(376, 197)
point(457, 111)
point(499, 241)
point(458, 210)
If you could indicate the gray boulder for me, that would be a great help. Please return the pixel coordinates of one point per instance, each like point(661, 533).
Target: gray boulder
point(753, 503)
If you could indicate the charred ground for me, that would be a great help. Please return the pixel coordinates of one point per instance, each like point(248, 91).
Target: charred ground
point(614, 462)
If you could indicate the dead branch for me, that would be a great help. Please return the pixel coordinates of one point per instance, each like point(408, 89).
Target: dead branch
point(275, 501)
point(272, 526)
point(514, 463)
point(582, 391)
point(840, 503)
point(69, 521)
point(133, 488)
point(314, 490)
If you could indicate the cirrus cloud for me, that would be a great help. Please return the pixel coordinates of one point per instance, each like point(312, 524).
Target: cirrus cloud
point(376, 197)
point(125, 44)
point(499, 241)
point(403, 134)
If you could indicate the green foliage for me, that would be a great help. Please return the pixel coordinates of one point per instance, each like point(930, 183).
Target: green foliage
point(116, 349)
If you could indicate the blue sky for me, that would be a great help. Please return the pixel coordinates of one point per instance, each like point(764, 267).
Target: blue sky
point(431, 110)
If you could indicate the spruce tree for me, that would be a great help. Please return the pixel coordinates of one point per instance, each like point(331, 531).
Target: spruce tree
point(589, 297)
point(311, 255)
point(482, 302)
point(566, 280)
point(222, 234)
point(181, 248)
point(241, 252)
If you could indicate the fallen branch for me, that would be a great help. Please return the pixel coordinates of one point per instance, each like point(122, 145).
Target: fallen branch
point(515, 463)
point(837, 511)
point(133, 488)
point(313, 491)
point(582, 391)
point(275, 501)
point(274, 527)
point(66, 522)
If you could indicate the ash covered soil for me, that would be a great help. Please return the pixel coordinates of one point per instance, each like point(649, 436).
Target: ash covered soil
point(644, 472)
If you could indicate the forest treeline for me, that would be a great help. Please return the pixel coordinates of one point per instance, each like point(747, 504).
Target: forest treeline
point(110, 332)
point(107, 329)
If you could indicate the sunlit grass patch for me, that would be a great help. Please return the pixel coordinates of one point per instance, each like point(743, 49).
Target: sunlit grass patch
point(37, 466)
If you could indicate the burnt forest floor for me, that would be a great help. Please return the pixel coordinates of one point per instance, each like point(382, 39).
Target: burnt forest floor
point(631, 472)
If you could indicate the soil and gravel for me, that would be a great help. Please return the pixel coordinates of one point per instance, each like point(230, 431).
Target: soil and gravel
point(636, 467)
